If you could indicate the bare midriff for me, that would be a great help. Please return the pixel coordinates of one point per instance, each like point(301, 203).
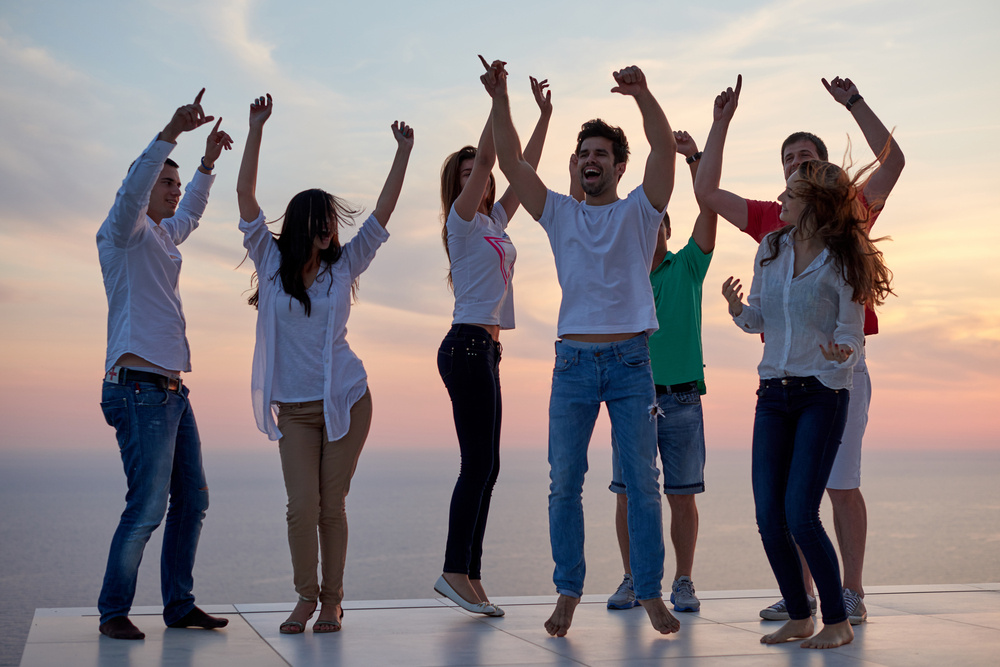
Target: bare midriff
point(130, 360)
point(600, 338)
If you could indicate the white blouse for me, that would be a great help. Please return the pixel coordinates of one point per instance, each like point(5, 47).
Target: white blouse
point(797, 314)
point(345, 380)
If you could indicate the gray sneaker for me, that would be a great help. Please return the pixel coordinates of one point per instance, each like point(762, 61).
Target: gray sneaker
point(624, 597)
point(779, 612)
point(682, 595)
point(855, 606)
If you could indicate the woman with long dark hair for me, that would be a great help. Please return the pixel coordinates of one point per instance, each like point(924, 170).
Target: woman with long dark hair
point(481, 267)
point(303, 368)
point(811, 281)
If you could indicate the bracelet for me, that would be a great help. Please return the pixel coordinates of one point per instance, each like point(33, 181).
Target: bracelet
point(207, 168)
point(691, 159)
point(855, 98)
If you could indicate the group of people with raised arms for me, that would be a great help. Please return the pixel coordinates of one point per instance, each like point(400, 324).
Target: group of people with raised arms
point(629, 336)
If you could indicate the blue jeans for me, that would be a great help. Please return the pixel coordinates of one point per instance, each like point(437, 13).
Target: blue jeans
point(469, 363)
point(796, 433)
point(680, 437)
point(616, 374)
point(161, 454)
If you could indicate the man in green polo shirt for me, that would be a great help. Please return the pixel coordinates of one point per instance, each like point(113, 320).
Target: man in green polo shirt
point(678, 372)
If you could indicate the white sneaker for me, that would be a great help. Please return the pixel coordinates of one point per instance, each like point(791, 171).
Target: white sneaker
point(682, 595)
point(779, 612)
point(624, 597)
point(855, 606)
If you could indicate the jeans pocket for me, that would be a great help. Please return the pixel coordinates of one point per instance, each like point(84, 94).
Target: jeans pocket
point(562, 363)
point(152, 397)
point(116, 415)
point(688, 397)
point(635, 358)
point(446, 361)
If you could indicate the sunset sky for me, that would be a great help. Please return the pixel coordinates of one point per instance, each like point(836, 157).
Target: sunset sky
point(85, 86)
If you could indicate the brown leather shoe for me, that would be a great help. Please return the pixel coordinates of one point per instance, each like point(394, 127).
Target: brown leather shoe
point(196, 618)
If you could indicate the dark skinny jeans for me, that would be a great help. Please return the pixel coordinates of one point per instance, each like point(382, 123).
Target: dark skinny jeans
point(469, 363)
point(796, 433)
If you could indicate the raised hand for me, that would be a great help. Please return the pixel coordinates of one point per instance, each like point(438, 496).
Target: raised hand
point(403, 134)
point(727, 101)
point(685, 144)
point(185, 119)
point(217, 141)
point(835, 352)
point(842, 90)
point(543, 97)
point(495, 78)
point(260, 110)
point(631, 81)
point(732, 290)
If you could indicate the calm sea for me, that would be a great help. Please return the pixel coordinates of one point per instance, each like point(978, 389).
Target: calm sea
point(933, 518)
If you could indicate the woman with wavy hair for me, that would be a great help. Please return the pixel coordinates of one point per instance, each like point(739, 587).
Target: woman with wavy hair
point(481, 267)
point(811, 281)
point(303, 368)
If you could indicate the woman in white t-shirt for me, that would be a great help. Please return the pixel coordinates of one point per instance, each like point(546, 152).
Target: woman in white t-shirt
point(481, 267)
point(303, 367)
point(811, 281)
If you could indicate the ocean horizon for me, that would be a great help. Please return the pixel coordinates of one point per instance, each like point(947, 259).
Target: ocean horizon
point(934, 517)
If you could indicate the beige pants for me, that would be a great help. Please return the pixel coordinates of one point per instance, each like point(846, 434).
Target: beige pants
point(317, 478)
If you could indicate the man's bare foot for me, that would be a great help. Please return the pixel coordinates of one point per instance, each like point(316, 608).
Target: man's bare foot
point(296, 623)
point(831, 636)
point(461, 584)
point(562, 617)
point(799, 629)
point(477, 585)
point(661, 618)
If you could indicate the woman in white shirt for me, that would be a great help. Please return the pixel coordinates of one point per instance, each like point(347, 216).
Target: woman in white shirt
point(811, 281)
point(303, 367)
point(481, 267)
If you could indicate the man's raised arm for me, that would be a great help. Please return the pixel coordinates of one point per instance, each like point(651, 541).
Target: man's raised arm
point(658, 179)
point(730, 206)
point(876, 134)
point(706, 225)
point(521, 176)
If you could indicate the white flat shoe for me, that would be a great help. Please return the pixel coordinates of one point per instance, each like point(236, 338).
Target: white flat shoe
point(445, 589)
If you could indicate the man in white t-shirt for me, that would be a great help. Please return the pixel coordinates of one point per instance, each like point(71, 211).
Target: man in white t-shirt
point(603, 248)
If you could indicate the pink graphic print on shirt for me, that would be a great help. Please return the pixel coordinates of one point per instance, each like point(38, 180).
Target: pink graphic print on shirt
point(499, 243)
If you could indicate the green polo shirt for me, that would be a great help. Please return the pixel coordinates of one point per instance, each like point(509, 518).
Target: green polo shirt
point(675, 348)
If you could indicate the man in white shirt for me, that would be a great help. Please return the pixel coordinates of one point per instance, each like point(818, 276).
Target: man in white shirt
point(603, 248)
point(143, 396)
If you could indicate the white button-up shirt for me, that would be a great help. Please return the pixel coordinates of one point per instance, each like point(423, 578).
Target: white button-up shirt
point(141, 265)
point(345, 380)
point(798, 314)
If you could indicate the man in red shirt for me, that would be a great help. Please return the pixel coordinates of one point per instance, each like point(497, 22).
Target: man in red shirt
point(759, 218)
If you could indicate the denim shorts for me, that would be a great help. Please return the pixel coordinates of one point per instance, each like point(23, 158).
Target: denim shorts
point(680, 436)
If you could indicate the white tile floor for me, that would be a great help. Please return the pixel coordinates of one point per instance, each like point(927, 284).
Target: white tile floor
point(909, 626)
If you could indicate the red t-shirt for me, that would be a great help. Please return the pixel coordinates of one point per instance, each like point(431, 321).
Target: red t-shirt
point(763, 218)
